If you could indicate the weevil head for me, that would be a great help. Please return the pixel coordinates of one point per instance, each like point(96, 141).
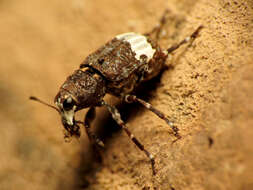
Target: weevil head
point(82, 89)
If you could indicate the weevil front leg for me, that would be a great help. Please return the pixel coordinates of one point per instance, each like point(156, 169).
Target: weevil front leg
point(116, 116)
point(132, 98)
point(90, 115)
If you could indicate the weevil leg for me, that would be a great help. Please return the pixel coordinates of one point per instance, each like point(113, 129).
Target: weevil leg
point(158, 28)
point(132, 98)
point(187, 39)
point(116, 116)
point(90, 115)
point(95, 141)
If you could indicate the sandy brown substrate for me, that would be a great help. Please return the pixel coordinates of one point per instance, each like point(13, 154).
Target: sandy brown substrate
point(207, 91)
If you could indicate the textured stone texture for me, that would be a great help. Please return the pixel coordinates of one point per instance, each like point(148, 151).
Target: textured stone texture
point(207, 91)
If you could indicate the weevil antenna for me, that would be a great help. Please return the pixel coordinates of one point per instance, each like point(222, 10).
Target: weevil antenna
point(42, 102)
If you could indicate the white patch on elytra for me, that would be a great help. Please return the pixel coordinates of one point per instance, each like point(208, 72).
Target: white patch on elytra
point(139, 44)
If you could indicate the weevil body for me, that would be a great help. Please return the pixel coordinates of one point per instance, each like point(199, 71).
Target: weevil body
point(116, 68)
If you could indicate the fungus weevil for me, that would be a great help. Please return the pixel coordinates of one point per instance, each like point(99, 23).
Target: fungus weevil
point(116, 68)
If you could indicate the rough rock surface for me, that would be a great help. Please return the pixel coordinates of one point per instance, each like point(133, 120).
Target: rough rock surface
point(207, 91)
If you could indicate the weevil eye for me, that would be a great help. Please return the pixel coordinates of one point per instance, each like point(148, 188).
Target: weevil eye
point(68, 104)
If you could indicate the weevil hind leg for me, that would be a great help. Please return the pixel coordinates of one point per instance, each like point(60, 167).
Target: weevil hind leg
point(132, 98)
point(116, 116)
point(158, 28)
point(185, 40)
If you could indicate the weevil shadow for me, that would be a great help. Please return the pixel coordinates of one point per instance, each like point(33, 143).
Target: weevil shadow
point(105, 127)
